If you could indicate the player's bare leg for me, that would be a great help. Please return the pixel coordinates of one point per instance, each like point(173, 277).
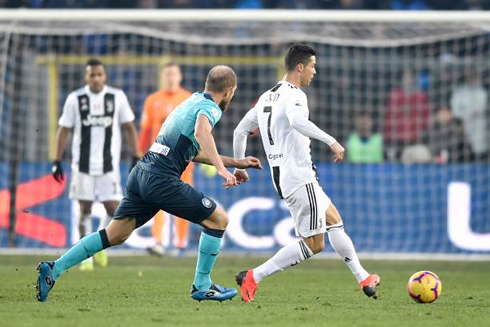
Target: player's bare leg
point(116, 233)
point(342, 244)
point(209, 244)
point(85, 228)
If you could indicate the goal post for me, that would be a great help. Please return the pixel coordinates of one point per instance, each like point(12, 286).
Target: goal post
point(417, 199)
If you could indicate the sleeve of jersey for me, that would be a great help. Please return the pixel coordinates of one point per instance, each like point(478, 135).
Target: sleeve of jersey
point(297, 116)
point(126, 115)
point(68, 117)
point(246, 125)
point(213, 114)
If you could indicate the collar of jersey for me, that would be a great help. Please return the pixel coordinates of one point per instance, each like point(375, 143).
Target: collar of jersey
point(286, 82)
point(104, 90)
point(207, 96)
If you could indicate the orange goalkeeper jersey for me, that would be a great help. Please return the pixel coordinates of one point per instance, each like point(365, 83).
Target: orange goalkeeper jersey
point(157, 107)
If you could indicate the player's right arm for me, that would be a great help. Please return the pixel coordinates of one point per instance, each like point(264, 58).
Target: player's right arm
point(66, 123)
point(205, 139)
point(248, 124)
point(297, 115)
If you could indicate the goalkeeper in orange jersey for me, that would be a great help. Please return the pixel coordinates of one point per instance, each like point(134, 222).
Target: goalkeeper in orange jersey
point(157, 107)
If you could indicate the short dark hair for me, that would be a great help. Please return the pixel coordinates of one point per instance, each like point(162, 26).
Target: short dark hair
point(94, 62)
point(298, 54)
point(220, 78)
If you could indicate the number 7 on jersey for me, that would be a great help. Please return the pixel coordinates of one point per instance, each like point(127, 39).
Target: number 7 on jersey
point(268, 109)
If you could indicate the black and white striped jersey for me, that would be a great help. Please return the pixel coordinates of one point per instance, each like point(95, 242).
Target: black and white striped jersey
point(287, 150)
point(96, 119)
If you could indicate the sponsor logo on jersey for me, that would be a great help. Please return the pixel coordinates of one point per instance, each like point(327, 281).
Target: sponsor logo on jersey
point(207, 203)
point(97, 121)
point(275, 156)
point(160, 149)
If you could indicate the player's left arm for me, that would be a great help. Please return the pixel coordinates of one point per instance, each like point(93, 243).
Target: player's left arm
point(303, 125)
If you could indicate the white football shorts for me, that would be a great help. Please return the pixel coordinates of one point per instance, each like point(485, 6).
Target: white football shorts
point(100, 188)
point(308, 206)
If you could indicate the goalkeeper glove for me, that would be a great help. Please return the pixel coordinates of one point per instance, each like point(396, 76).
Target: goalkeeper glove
point(57, 171)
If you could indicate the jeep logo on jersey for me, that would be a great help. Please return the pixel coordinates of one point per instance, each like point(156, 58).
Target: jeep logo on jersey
point(97, 121)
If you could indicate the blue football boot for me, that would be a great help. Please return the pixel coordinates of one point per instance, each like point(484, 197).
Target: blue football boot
point(45, 280)
point(215, 293)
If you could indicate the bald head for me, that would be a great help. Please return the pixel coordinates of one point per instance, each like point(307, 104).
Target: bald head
point(220, 78)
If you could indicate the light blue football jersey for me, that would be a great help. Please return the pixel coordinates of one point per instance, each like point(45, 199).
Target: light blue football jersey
point(176, 144)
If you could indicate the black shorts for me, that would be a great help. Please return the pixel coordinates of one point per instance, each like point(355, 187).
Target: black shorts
point(147, 193)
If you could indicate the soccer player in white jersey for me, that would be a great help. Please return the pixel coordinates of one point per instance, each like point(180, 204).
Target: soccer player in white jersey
point(95, 113)
point(281, 114)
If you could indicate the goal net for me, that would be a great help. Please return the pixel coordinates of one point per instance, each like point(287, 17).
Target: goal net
point(405, 93)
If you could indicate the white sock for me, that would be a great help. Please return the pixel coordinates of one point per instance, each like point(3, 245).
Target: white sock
point(342, 244)
point(286, 257)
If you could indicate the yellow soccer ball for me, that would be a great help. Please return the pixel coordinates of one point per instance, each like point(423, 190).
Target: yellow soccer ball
point(424, 287)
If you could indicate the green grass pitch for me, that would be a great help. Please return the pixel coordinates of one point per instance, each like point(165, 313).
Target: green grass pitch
point(144, 291)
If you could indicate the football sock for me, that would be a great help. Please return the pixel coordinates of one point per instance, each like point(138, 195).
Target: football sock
point(209, 245)
point(85, 224)
point(288, 256)
point(85, 248)
point(342, 244)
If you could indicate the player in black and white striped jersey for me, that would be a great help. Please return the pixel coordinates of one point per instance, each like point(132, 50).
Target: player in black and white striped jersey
point(95, 113)
point(282, 114)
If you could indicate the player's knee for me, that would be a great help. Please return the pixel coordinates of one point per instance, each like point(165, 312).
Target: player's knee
point(317, 247)
point(86, 210)
point(119, 238)
point(333, 216)
point(119, 231)
point(222, 220)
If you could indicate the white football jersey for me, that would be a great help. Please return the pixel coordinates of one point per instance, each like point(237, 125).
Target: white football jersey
point(288, 151)
point(96, 120)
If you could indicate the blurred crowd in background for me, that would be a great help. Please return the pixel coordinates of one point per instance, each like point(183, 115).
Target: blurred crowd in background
point(254, 4)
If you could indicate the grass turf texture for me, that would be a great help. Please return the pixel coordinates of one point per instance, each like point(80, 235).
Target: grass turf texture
point(144, 291)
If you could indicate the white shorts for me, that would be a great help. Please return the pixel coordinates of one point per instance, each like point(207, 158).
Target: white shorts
point(308, 206)
point(100, 188)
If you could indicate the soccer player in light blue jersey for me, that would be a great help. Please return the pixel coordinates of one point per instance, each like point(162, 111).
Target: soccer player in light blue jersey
point(154, 184)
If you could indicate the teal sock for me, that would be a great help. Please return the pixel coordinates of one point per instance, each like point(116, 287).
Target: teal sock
point(208, 251)
point(85, 248)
